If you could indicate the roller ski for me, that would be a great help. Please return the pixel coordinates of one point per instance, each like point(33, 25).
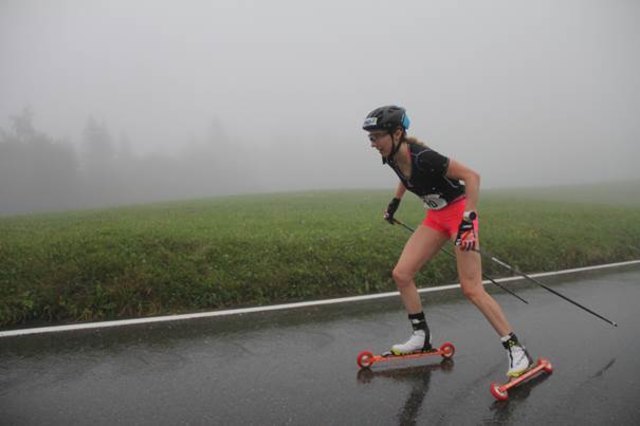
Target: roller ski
point(501, 391)
point(521, 367)
point(366, 358)
point(418, 346)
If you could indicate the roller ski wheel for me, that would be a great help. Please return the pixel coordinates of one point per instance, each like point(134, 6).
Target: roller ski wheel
point(501, 391)
point(366, 358)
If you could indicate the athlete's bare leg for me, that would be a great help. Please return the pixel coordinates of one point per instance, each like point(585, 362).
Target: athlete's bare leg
point(420, 248)
point(470, 275)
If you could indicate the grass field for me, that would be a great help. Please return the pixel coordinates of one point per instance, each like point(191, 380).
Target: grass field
point(263, 249)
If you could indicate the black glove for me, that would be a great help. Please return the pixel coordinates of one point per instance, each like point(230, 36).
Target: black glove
point(391, 209)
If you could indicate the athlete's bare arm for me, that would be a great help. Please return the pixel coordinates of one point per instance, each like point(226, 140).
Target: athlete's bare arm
point(471, 180)
point(400, 190)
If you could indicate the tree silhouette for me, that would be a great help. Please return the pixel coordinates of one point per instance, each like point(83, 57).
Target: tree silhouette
point(36, 171)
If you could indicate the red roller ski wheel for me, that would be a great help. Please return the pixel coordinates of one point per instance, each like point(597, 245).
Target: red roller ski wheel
point(447, 350)
point(546, 366)
point(498, 393)
point(365, 359)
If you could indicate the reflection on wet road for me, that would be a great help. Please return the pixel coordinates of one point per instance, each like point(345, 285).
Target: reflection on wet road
point(299, 366)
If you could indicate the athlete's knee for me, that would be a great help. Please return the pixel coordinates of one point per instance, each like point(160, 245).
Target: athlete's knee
point(402, 277)
point(473, 292)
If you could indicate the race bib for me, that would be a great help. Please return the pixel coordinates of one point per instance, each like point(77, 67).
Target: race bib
point(433, 202)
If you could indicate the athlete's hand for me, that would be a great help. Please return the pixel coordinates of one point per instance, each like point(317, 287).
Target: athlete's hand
point(391, 209)
point(466, 238)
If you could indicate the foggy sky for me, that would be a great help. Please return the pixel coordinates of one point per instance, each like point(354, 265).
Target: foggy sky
point(525, 92)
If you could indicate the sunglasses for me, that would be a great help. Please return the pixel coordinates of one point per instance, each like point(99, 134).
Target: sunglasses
point(374, 137)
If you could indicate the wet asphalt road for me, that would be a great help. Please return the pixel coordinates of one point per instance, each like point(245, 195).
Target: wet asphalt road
point(298, 367)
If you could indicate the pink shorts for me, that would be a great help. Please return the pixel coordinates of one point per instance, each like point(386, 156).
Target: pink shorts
point(448, 219)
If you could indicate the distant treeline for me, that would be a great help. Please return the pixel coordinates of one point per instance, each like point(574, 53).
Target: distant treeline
point(41, 173)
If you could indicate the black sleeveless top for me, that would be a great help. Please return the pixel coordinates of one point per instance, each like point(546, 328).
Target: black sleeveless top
point(428, 177)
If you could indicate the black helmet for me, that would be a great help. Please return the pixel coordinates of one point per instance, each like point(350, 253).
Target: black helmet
point(386, 118)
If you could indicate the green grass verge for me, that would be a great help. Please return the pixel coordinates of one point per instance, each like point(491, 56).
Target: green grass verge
point(264, 249)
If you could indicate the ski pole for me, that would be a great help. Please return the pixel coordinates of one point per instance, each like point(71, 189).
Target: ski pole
point(407, 227)
point(517, 271)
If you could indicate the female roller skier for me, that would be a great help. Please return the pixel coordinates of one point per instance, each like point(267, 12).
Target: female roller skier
point(451, 215)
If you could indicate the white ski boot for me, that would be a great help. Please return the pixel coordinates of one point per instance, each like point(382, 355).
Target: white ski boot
point(416, 343)
point(519, 359)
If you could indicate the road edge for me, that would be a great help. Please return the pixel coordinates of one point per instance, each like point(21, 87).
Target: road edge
point(284, 306)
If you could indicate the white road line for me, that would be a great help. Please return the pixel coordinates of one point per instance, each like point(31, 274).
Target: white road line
point(148, 320)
